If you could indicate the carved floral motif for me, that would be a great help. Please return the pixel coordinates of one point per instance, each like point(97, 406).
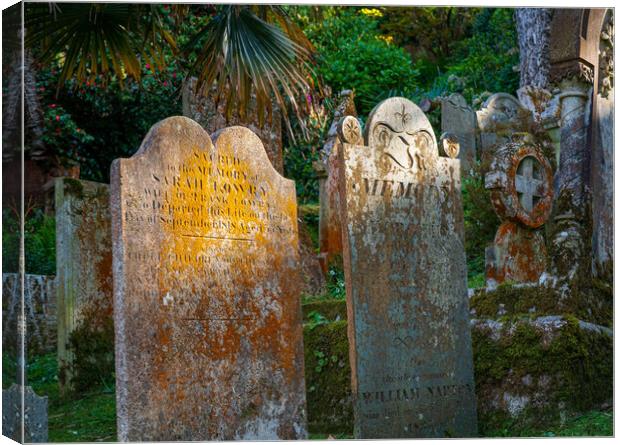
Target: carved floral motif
point(606, 58)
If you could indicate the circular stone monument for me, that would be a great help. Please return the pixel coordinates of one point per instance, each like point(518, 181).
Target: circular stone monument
point(521, 183)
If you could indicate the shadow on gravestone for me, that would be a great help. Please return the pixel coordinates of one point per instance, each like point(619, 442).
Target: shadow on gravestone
point(406, 278)
point(206, 290)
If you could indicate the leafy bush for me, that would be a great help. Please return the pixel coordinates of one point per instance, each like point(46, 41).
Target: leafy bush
point(94, 123)
point(39, 243)
point(481, 223)
point(352, 54)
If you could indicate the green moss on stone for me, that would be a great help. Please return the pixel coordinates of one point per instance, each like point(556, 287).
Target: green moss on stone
point(592, 303)
point(73, 187)
point(557, 373)
point(332, 310)
point(328, 379)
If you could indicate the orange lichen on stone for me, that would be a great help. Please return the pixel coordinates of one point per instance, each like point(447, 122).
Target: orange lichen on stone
point(211, 233)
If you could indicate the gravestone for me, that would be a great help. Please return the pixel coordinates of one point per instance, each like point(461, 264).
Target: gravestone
point(406, 279)
point(39, 300)
point(520, 181)
point(459, 119)
point(330, 232)
point(500, 117)
point(33, 418)
point(83, 275)
point(206, 290)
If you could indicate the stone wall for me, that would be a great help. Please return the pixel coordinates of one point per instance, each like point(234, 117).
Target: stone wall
point(40, 308)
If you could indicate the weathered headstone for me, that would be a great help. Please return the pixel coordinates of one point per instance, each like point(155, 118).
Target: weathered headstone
point(458, 118)
point(406, 278)
point(39, 300)
point(330, 231)
point(83, 274)
point(206, 303)
point(521, 183)
point(500, 117)
point(33, 419)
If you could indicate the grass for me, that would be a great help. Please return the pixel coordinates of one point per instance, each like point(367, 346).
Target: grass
point(590, 424)
point(91, 417)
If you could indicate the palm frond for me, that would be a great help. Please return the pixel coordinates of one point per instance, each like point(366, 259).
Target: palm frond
point(94, 39)
point(244, 55)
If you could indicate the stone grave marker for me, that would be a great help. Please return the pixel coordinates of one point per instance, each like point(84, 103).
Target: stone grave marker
point(500, 117)
point(520, 180)
point(33, 417)
point(458, 118)
point(206, 290)
point(83, 273)
point(406, 279)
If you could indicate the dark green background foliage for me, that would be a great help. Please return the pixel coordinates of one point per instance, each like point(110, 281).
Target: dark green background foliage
point(93, 124)
point(351, 54)
point(39, 243)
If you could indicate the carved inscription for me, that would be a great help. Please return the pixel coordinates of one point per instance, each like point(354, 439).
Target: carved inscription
point(412, 371)
point(206, 295)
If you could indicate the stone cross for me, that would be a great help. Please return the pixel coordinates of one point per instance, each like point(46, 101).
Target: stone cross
point(207, 311)
point(528, 184)
point(406, 278)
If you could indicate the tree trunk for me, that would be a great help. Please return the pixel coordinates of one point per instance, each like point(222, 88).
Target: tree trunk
point(533, 27)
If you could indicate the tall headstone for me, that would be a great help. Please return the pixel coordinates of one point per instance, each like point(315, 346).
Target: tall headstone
point(406, 279)
point(520, 181)
point(459, 119)
point(206, 299)
point(83, 274)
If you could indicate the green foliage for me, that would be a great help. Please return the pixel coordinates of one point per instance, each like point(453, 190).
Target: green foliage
point(481, 223)
point(39, 242)
point(485, 60)
point(314, 319)
point(352, 54)
point(93, 124)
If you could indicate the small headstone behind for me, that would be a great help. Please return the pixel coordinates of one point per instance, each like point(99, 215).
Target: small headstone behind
point(459, 119)
point(83, 279)
point(406, 278)
point(206, 290)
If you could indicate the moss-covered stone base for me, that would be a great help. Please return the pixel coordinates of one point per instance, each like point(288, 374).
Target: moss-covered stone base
point(531, 371)
point(535, 372)
point(328, 378)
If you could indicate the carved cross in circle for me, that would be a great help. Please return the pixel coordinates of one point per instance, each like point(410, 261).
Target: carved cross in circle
point(529, 183)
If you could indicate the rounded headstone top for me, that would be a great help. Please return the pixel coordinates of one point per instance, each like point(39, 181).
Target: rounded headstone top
point(521, 183)
point(399, 116)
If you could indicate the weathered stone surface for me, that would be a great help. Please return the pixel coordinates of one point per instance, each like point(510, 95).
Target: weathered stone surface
point(83, 270)
point(500, 116)
point(520, 182)
point(602, 171)
point(40, 309)
point(459, 119)
point(34, 414)
point(518, 254)
point(410, 344)
point(206, 304)
point(330, 228)
point(202, 108)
